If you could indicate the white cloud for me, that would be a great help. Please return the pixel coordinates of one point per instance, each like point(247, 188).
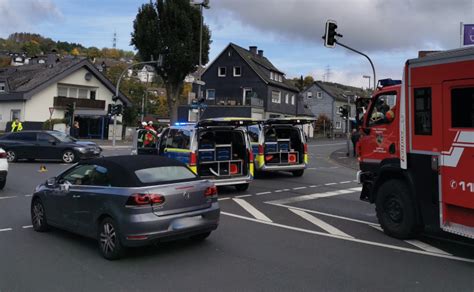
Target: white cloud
point(24, 15)
point(370, 25)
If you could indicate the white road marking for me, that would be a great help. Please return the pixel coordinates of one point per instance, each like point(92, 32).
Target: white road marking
point(426, 247)
point(223, 199)
point(263, 193)
point(328, 215)
point(376, 227)
point(394, 247)
point(299, 188)
point(27, 226)
point(252, 210)
point(315, 196)
point(278, 191)
point(330, 184)
point(324, 145)
point(5, 229)
point(320, 223)
point(345, 182)
point(243, 196)
point(314, 186)
point(30, 195)
point(10, 197)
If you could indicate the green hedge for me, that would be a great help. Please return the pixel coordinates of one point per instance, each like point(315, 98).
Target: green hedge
point(47, 125)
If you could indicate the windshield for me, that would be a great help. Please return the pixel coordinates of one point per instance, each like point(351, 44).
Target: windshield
point(63, 137)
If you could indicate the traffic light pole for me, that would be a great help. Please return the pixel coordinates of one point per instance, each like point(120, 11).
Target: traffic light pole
point(360, 53)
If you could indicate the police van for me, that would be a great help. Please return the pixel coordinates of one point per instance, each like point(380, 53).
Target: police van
point(218, 149)
point(280, 145)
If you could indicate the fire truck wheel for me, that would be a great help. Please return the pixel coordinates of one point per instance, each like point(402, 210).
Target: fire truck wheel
point(396, 210)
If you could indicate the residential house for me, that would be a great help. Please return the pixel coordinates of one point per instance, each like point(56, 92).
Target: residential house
point(244, 83)
point(325, 98)
point(146, 74)
point(30, 92)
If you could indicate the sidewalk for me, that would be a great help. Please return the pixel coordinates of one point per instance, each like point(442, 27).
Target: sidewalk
point(340, 156)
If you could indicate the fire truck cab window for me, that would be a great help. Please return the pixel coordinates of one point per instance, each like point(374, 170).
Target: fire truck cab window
point(383, 110)
point(423, 122)
point(462, 107)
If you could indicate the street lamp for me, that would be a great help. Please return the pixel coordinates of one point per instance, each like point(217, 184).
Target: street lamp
point(203, 4)
point(367, 76)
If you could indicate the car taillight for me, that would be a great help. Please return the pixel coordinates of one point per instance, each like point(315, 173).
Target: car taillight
point(145, 199)
point(192, 159)
point(305, 148)
point(210, 191)
point(250, 155)
point(3, 155)
point(260, 149)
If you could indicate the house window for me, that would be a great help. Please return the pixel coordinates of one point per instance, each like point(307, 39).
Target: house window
point(93, 94)
point(462, 107)
point(222, 72)
point(276, 96)
point(423, 111)
point(319, 95)
point(280, 78)
point(72, 92)
point(2, 86)
point(15, 114)
point(237, 72)
point(338, 125)
point(287, 98)
point(309, 94)
point(293, 99)
point(271, 75)
point(83, 93)
point(62, 91)
point(211, 94)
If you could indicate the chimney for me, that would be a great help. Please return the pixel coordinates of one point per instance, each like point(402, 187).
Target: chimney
point(260, 53)
point(52, 58)
point(253, 50)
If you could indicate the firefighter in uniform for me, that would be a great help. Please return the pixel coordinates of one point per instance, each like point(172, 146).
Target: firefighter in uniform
point(16, 126)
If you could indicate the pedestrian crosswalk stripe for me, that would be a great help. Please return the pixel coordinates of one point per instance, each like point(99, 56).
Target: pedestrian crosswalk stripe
point(252, 210)
point(315, 196)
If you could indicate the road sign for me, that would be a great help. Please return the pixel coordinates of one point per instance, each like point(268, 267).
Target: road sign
point(468, 36)
point(51, 110)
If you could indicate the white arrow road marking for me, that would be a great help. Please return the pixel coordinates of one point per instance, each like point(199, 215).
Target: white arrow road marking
point(320, 223)
point(427, 247)
point(252, 210)
point(315, 196)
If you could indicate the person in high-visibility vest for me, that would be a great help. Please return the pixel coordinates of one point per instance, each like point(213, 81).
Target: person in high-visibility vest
point(16, 126)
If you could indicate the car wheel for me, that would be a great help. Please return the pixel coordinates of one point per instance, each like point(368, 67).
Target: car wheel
point(396, 210)
point(109, 240)
point(11, 156)
point(242, 187)
point(69, 156)
point(201, 236)
point(38, 216)
point(298, 173)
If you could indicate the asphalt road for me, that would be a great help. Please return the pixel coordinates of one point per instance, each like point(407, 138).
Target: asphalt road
point(284, 234)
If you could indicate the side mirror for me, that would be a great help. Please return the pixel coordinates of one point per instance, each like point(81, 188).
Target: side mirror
point(51, 182)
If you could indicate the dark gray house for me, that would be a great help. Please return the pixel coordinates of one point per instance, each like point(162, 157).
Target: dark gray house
point(244, 83)
point(325, 98)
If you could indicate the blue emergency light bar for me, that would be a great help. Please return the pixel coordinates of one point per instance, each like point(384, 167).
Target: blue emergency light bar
point(388, 82)
point(183, 124)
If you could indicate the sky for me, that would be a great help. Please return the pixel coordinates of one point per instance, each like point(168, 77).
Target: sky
point(289, 31)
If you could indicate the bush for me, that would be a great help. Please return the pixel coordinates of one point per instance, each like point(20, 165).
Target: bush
point(48, 125)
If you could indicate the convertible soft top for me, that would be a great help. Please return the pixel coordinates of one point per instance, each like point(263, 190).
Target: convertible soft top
point(122, 168)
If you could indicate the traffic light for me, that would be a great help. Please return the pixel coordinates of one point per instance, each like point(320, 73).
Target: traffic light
point(69, 113)
point(118, 109)
point(115, 109)
point(344, 111)
point(330, 36)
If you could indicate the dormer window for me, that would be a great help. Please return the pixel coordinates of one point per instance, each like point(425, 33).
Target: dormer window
point(2, 87)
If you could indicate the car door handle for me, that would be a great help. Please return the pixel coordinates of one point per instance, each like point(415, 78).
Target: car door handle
point(76, 196)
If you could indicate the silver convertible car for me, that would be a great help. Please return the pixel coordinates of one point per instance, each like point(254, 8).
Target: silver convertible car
point(127, 201)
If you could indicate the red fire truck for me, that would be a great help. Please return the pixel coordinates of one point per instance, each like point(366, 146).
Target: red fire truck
point(416, 150)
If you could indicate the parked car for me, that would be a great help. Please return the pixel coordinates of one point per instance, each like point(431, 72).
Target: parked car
point(55, 145)
point(127, 201)
point(280, 145)
point(217, 149)
point(3, 168)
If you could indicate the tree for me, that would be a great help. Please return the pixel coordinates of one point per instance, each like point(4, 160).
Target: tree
point(75, 52)
point(171, 28)
point(308, 80)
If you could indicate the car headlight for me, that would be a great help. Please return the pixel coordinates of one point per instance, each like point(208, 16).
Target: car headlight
point(80, 149)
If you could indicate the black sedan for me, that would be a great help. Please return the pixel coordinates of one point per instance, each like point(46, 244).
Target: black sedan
point(127, 201)
point(53, 145)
